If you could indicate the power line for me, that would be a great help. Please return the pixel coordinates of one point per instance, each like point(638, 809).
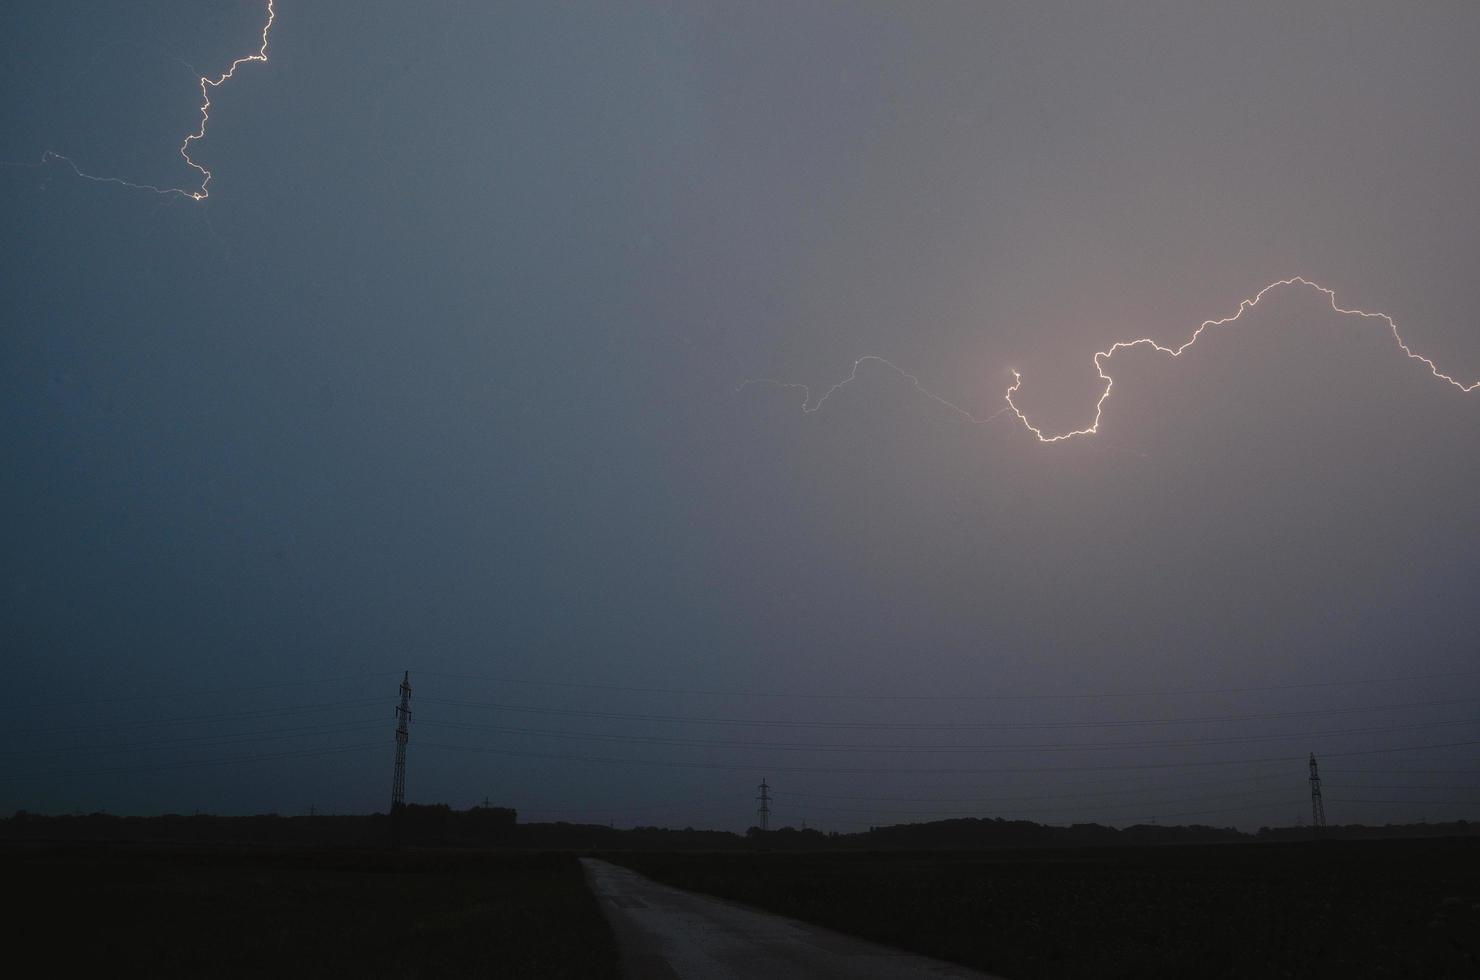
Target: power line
point(226, 738)
point(712, 802)
point(1447, 789)
point(192, 719)
point(712, 692)
point(1225, 809)
point(875, 825)
point(199, 763)
point(1115, 789)
point(1405, 772)
point(923, 726)
point(1414, 803)
point(1079, 808)
point(151, 694)
point(861, 770)
point(1023, 747)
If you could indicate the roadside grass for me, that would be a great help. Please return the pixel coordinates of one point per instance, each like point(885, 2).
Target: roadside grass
point(312, 912)
point(1396, 909)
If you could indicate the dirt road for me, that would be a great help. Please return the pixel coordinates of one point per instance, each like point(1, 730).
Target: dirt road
point(666, 933)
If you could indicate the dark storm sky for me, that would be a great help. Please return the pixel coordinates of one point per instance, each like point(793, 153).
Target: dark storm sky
point(443, 377)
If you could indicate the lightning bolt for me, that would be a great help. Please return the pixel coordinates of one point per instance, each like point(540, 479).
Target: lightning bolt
point(206, 84)
point(1102, 357)
point(808, 406)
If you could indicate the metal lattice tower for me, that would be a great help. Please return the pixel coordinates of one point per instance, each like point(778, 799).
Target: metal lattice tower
point(403, 715)
point(764, 811)
point(1317, 807)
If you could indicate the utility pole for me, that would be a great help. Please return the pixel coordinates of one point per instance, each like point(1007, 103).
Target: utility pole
point(764, 812)
point(1317, 808)
point(403, 715)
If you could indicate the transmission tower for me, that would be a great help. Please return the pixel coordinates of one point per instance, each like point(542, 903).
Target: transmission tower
point(1317, 808)
point(403, 715)
point(764, 812)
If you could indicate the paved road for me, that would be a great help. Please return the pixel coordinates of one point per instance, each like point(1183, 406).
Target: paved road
point(669, 934)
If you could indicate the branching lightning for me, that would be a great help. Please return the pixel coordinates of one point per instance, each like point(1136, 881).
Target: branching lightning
point(809, 406)
point(206, 84)
point(1102, 357)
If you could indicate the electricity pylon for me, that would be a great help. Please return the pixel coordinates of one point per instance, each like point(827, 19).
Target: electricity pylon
point(1317, 807)
point(403, 715)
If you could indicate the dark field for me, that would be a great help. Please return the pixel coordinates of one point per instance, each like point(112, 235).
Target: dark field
point(209, 912)
point(1407, 909)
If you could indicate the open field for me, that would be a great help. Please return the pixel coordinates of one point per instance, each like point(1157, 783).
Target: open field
point(211, 911)
point(1340, 909)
